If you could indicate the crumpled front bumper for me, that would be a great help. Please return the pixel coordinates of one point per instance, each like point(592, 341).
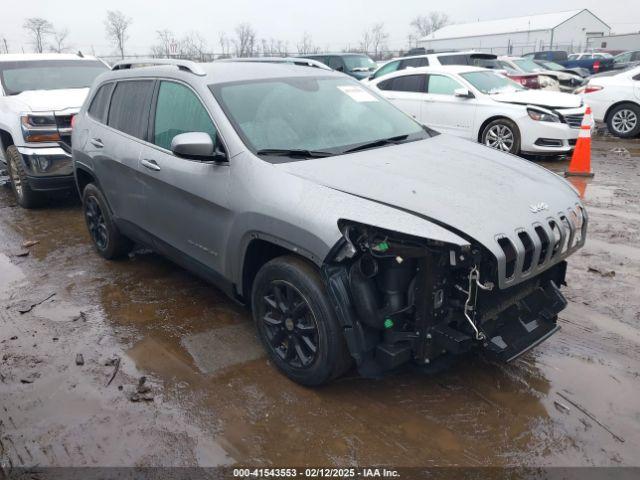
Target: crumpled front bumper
point(47, 168)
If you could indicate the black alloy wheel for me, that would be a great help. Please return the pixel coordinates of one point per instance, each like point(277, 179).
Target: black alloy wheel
point(290, 325)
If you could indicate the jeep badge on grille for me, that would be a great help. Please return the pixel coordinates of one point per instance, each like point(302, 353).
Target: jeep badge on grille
point(538, 207)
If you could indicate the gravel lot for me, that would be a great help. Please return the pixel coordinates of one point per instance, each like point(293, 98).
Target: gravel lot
point(213, 399)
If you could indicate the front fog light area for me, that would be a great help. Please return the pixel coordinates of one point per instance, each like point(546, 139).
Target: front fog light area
point(41, 163)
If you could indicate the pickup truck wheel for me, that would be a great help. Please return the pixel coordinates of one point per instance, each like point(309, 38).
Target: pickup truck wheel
point(297, 323)
point(502, 134)
point(106, 238)
point(624, 120)
point(25, 197)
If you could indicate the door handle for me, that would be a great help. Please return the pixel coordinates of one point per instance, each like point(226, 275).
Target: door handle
point(151, 165)
point(96, 142)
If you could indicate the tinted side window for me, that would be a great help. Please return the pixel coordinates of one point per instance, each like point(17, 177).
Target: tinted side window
point(130, 104)
point(100, 102)
point(179, 110)
point(334, 62)
point(454, 59)
point(414, 63)
point(441, 85)
point(407, 83)
point(388, 68)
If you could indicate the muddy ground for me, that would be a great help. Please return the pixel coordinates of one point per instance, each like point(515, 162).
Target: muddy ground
point(214, 398)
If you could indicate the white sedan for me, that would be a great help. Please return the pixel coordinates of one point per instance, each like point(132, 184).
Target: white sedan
point(482, 105)
point(614, 98)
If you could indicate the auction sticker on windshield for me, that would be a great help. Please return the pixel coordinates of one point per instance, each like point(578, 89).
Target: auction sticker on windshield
point(359, 94)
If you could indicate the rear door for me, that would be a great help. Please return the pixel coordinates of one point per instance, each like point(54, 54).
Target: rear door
point(407, 92)
point(445, 112)
point(186, 200)
point(115, 140)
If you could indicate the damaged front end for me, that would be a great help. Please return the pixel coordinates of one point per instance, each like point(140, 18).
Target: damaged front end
point(404, 299)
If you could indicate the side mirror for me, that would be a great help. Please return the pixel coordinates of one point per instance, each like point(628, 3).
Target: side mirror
point(196, 145)
point(462, 93)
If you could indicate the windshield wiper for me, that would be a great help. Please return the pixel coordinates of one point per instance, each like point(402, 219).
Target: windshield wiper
point(283, 152)
point(378, 143)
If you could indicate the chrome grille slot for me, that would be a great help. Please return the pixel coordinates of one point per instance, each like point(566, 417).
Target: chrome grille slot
point(568, 234)
point(558, 237)
point(544, 242)
point(574, 121)
point(510, 254)
point(527, 243)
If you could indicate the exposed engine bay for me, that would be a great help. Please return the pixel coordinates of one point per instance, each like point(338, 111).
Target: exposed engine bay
point(403, 299)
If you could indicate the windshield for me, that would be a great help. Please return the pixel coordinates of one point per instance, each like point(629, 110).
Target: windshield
point(312, 114)
point(21, 76)
point(527, 65)
point(491, 83)
point(361, 63)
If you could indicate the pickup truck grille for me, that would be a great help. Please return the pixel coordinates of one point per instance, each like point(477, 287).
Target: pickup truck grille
point(529, 251)
point(64, 128)
point(574, 121)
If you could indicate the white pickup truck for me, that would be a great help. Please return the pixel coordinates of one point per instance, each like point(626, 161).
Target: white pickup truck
point(39, 94)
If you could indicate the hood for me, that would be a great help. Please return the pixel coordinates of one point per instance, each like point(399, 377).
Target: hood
point(52, 100)
point(471, 189)
point(541, 98)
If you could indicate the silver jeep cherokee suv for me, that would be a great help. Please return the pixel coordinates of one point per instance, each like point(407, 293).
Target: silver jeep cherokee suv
point(353, 233)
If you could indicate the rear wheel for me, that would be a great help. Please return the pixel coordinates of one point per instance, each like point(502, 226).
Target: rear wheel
point(297, 323)
point(502, 134)
point(106, 238)
point(25, 196)
point(624, 120)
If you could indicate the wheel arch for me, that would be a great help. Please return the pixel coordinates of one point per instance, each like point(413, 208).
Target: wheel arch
point(84, 177)
point(6, 140)
point(491, 119)
point(261, 249)
point(617, 104)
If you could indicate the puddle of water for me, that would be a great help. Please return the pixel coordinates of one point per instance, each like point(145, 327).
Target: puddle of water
point(9, 273)
point(222, 347)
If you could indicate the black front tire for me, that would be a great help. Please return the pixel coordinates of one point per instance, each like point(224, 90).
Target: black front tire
point(105, 236)
point(297, 323)
point(624, 121)
point(502, 134)
point(25, 196)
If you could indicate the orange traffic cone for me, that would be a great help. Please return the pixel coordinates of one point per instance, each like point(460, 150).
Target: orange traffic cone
point(581, 160)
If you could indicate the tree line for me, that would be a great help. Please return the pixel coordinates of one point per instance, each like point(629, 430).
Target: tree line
point(242, 42)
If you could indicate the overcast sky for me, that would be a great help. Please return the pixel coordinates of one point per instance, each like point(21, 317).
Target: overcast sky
point(332, 24)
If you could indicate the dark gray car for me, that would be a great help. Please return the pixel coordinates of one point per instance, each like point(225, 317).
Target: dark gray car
point(353, 233)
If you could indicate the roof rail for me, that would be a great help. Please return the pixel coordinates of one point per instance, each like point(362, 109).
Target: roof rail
point(185, 65)
point(304, 62)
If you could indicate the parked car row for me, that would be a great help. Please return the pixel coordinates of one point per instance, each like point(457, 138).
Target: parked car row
point(354, 234)
point(485, 106)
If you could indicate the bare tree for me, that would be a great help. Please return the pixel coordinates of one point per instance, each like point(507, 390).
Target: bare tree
point(193, 46)
point(429, 23)
point(38, 29)
point(166, 39)
point(225, 44)
point(365, 41)
point(245, 42)
point(116, 26)
point(306, 45)
point(59, 44)
point(4, 46)
point(379, 38)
